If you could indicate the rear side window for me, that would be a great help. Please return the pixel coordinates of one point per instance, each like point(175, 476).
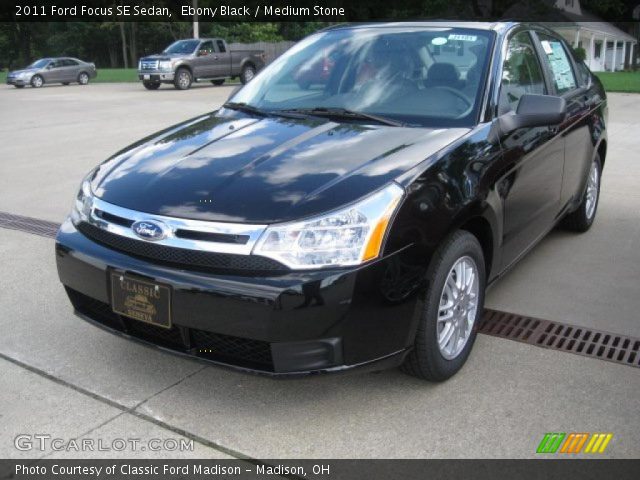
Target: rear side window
point(521, 73)
point(220, 44)
point(558, 60)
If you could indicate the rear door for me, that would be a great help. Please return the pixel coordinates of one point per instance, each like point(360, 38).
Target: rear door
point(533, 157)
point(69, 70)
point(567, 83)
point(222, 65)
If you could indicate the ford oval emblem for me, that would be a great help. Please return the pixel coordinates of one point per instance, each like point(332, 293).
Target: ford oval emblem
point(149, 230)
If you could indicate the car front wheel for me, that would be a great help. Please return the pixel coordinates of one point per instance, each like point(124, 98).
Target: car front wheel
point(582, 219)
point(37, 81)
point(452, 310)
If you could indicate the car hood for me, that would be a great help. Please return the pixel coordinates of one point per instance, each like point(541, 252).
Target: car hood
point(236, 168)
point(26, 70)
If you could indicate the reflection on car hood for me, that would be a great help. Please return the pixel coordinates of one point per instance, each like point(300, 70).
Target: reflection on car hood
point(26, 70)
point(238, 168)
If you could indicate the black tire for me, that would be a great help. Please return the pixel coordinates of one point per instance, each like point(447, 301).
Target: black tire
point(248, 72)
point(218, 82)
point(37, 81)
point(183, 79)
point(83, 78)
point(151, 85)
point(19, 86)
point(425, 360)
point(581, 219)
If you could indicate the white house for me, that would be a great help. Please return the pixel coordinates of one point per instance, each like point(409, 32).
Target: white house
point(608, 48)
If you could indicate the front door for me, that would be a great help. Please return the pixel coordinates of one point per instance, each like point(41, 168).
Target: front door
point(534, 157)
point(54, 72)
point(577, 133)
point(203, 63)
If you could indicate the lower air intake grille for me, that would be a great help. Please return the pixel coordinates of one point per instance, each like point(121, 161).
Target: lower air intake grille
point(243, 352)
point(180, 257)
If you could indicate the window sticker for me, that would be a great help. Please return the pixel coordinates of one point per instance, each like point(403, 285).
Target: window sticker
point(560, 66)
point(546, 47)
point(463, 38)
point(439, 41)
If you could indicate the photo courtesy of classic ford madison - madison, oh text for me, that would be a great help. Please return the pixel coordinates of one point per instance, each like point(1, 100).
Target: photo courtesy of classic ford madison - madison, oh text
point(346, 208)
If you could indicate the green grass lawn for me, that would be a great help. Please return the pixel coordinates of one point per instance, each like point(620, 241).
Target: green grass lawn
point(110, 75)
point(620, 81)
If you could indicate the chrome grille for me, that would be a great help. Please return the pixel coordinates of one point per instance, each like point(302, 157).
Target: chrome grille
point(149, 65)
point(197, 235)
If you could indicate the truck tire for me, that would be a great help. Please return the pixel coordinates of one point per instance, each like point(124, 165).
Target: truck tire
point(183, 79)
point(218, 82)
point(248, 72)
point(151, 85)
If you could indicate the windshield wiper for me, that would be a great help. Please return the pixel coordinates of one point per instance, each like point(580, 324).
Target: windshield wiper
point(246, 108)
point(345, 113)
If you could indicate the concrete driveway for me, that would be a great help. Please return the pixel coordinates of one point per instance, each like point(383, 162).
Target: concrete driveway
point(65, 378)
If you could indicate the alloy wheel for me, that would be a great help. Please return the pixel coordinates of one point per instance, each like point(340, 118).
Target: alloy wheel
point(37, 81)
point(593, 183)
point(458, 307)
point(83, 79)
point(183, 80)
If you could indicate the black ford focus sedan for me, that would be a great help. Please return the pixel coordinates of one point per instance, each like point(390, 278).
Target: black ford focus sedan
point(349, 222)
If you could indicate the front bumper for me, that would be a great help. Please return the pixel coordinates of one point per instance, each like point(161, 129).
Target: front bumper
point(16, 81)
point(284, 324)
point(154, 76)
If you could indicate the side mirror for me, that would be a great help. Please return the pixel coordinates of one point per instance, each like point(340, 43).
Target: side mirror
point(534, 111)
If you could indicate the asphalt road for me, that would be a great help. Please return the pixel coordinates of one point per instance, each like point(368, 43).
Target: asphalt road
point(65, 378)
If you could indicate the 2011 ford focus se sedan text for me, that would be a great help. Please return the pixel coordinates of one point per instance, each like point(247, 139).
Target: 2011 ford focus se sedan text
point(351, 221)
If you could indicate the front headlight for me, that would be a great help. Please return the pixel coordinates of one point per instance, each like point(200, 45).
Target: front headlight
point(24, 75)
point(83, 202)
point(349, 236)
point(164, 65)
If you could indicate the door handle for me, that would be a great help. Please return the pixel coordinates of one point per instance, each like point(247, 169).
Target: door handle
point(215, 57)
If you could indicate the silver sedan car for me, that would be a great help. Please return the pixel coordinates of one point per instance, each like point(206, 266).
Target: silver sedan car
point(63, 70)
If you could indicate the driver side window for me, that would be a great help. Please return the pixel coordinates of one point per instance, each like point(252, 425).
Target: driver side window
point(521, 73)
point(207, 47)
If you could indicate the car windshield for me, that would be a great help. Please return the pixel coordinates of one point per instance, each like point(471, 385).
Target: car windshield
point(414, 75)
point(182, 46)
point(40, 63)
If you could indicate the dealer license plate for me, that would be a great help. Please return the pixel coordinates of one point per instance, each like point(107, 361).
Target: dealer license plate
point(141, 300)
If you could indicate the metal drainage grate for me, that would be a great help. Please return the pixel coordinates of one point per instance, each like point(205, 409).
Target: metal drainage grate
point(43, 228)
point(559, 336)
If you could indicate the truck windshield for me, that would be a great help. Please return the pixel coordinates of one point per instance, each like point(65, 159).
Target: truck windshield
point(423, 76)
point(182, 46)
